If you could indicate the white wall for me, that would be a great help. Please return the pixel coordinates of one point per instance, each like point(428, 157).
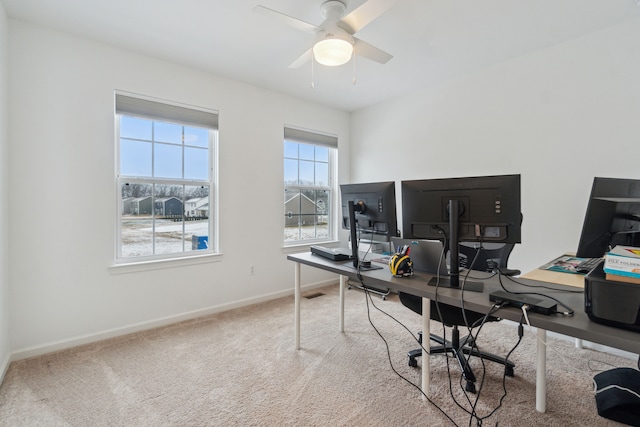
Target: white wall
point(559, 117)
point(4, 196)
point(63, 205)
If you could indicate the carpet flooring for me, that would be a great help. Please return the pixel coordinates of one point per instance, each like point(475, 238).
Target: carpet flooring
point(240, 368)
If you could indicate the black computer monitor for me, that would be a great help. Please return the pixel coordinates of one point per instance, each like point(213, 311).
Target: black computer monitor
point(612, 217)
point(368, 208)
point(476, 209)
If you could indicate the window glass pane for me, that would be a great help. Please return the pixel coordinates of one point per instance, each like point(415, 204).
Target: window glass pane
point(167, 160)
point(322, 174)
point(322, 154)
point(135, 158)
point(290, 171)
point(135, 128)
point(137, 237)
point(167, 132)
point(196, 218)
point(136, 224)
point(306, 173)
point(196, 163)
point(307, 225)
point(168, 208)
point(168, 200)
point(300, 215)
point(307, 151)
point(322, 214)
point(291, 215)
point(196, 137)
point(196, 205)
point(291, 149)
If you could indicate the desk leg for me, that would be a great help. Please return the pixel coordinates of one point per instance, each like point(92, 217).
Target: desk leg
point(296, 303)
point(426, 343)
point(343, 284)
point(541, 371)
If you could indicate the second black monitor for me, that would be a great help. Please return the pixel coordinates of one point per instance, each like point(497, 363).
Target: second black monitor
point(454, 210)
point(488, 208)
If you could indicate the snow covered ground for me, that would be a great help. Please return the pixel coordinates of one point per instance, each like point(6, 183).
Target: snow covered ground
point(170, 236)
point(306, 232)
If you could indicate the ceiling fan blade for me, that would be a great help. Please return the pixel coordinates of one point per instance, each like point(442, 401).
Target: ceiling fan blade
point(286, 19)
point(365, 14)
point(371, 52)
point(303, 59)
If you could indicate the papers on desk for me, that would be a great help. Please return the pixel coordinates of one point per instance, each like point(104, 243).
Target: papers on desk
point(566, 264)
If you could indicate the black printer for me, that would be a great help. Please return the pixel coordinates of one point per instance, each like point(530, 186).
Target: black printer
point(610, 302)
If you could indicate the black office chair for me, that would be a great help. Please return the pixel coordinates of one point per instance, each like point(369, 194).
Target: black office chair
point(490, 257)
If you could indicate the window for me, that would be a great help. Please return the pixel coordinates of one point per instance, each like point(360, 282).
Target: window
point(309, 186)
point(165, 179)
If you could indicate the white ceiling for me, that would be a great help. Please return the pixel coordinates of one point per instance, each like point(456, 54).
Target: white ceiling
point(431, 40)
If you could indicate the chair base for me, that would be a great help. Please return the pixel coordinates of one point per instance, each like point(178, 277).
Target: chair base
point(459, 348)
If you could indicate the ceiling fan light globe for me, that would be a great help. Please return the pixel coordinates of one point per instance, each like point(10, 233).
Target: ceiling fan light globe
point(332, 51)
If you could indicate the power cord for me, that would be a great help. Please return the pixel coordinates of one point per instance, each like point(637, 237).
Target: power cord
point(472, 338)
point(369, 300)
point(569, 311)
point(628, 390)
point(504, 375)
point(473, 341)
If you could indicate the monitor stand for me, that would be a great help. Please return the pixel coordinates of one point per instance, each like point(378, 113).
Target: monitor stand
point(369, 267)
point(357, 263)
point(453, 281)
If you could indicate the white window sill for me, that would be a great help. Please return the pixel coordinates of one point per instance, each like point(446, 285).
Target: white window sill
point(134, 267)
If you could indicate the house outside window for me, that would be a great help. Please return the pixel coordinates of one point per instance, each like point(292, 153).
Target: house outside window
point(165, 179)
point(309, 186)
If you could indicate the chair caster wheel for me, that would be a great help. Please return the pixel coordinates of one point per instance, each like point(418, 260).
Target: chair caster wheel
point(413, 362)
point(508, 371)
point(471, 387)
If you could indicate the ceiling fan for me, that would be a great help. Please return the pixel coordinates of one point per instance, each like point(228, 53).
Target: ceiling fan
point(334, 42)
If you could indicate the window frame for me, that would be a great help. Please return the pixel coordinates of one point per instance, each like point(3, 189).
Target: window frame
point(313, 138)
point(211, 182)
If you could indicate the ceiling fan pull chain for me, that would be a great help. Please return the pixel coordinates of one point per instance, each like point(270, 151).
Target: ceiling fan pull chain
point(313, 59)
point(354, 65)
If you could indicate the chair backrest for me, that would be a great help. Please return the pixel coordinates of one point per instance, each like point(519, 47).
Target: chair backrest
point(489, 258)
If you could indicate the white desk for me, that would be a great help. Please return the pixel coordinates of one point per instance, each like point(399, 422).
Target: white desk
point(578, 325)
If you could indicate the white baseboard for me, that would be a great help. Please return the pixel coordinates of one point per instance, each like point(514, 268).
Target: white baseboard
point(111, 333)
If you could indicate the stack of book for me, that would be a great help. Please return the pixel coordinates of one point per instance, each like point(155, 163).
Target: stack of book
point(622, 264)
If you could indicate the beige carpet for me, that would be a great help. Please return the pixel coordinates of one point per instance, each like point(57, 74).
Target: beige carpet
point(240, 368)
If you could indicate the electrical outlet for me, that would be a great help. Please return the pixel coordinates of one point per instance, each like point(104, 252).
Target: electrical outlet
point(252, 270)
